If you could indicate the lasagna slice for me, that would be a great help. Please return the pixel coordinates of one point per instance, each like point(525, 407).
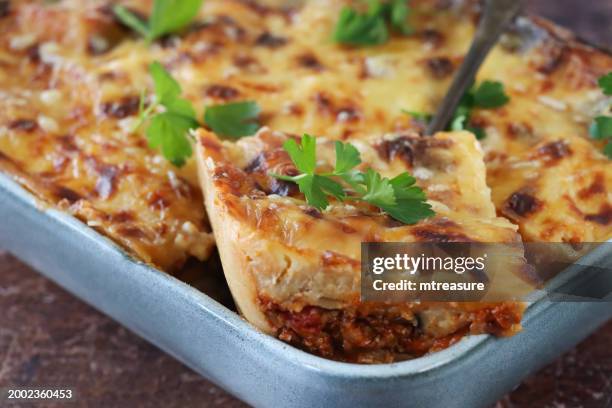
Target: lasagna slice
point(294, 271)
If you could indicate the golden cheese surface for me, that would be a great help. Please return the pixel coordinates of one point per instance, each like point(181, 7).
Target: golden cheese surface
point(69, 89)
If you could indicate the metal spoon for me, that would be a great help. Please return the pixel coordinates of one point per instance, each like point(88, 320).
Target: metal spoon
point(496, 16)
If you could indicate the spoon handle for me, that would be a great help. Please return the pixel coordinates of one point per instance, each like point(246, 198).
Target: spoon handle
point(496, 16)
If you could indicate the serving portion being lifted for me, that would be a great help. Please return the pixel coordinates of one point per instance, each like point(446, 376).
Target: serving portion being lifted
point(295, 270)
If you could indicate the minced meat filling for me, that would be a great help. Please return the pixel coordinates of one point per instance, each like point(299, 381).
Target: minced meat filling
point(385, 335)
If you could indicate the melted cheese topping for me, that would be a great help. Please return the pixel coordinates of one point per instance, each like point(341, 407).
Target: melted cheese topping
point(67, 141)
point(69, 86)
point(550, 193)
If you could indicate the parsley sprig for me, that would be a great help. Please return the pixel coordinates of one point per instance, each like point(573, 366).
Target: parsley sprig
point(169, 118)
point(605, 83)
point(168, 129)
point(372, 26)
point(398, 197)
point(488, 95)
point(233, 120)
point(168, 16)
point(601, 129)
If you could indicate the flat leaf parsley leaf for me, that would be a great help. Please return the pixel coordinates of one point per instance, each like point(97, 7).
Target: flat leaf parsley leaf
point(399, 11)
point(233, 120)
point(359, 29)
point(315, 187)
point(488, 95)
point(168, 130)
point(168, 16)
point(605, 83)
point(608, 150)
point(419, 116)
point(372, 26)
point(601, 128)
point(168, 92)
point(169, 118)
point(347, 158)
point(411, 203)
point(379, 191)
point(131, 20)
point(399, 197)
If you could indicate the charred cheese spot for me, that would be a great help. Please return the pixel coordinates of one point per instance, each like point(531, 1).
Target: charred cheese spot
point(522, 204)
point(310, 61)
point(324, 103)
point(65, 193)
point(597, 187)
point(232, 29)
point(603, 217)
point(270, 40)
point(553, 56)
point(223, 92)
point(67, 143)
point(23, 125)
point(158, 201)
point(273, 162)
point(313, 212)
point(348, 114)
point(126, 106)
point(33, 56)
point(432, 38)
point(413, 150)
point(122, 217)
point(402, 148)
point(440, 67)
point(248, 63)
point(5, 8)
point(294, 109)
point(520, 130)
point(108, 176)
point(554, 151)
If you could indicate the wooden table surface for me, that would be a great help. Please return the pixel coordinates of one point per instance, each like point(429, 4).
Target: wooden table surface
point(48, 337)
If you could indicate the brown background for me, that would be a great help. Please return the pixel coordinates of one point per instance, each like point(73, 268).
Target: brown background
point(48, 337)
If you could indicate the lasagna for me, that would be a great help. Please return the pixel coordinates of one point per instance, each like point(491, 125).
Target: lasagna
point(70, 87)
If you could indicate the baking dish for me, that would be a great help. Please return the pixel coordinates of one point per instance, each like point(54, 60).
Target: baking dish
point(259, 369)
